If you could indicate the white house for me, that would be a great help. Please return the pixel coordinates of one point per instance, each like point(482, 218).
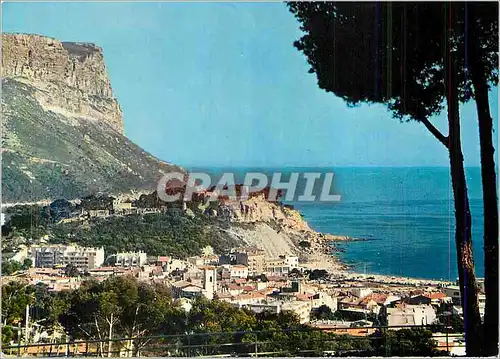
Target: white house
point(131, 259)
point(405, 315)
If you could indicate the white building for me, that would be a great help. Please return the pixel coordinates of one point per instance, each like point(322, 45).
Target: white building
point(292, 262)
point(234, 271)
point(411, 315)
point(131, 259)
point(282, 265)
point(361, 292)
point(273, 308)
point(302, 309)
point(209, 281)
point(207, 260)
point(172, 264)
point(453, 291)
point(84, 258)
point(257, 304)
point(321, 298)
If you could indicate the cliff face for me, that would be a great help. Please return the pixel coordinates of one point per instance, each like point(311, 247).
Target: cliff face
point(272, 227)
point(62, 130)
point(70, 78)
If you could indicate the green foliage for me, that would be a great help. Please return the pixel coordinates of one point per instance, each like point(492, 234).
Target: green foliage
point(353, 49)
point(453, 322)
point(71, 271)
point(121, 304)
point(15, 297)
point(97, 202)
point(170, 233)
point(72, 161)
point(317, 274)
point(305, 244)
point(156, 234)
point(324, 312)
point(404, 342)
point(124, 308)
point(26, 217)
point(10, 266)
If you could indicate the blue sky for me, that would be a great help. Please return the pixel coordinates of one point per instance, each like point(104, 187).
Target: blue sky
point(221, 84)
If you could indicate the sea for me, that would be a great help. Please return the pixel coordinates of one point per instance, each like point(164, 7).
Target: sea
point(404, 215)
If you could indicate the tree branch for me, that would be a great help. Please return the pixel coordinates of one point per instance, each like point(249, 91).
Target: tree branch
point(435, 132)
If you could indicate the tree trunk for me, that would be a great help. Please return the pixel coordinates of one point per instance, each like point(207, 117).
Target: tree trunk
point(110, 336)
point(490, 208)
point(488, 177)
point(463, 236)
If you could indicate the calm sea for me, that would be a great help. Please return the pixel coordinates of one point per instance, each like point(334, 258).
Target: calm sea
point(406, 214)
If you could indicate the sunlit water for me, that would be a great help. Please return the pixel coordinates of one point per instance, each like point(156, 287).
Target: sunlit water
point(406, 213)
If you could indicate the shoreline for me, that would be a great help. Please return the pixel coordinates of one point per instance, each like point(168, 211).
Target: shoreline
point(322, 259)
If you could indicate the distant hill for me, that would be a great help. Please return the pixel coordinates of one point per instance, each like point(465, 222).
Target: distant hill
point(62, 129)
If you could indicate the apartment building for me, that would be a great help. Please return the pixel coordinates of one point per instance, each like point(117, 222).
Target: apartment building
point(234, 271)
point(84, 258)
point(404, 315)
point(253, 258)
point(131, 259)
point(301, 308)
point(282, 265)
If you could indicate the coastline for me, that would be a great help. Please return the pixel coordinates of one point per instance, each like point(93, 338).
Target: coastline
point(324, 258)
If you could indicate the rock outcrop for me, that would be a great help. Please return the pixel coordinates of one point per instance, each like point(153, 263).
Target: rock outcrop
point(275, 228)
point(70, 78)
point(62, 130)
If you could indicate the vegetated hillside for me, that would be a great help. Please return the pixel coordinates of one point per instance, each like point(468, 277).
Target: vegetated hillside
point(156, 234)
point(47, 155)
point(173, 234)
point(62, 127)
point(272, 227)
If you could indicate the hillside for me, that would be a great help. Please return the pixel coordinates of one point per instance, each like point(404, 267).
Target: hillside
point(62, 137)
point(62, 129)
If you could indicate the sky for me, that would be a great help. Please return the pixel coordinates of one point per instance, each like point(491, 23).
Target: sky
point(220, 84)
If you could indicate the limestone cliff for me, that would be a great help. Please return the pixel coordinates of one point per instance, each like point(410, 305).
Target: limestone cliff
point(273, 227)
point(62, 129)
point(69, 78)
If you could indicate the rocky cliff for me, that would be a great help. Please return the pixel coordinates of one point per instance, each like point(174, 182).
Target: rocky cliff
point(69, 78)
point(62, 129)
point(275, 228)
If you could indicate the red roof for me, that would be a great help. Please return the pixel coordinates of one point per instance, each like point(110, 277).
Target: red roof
point(435, 295)
point(304, 297)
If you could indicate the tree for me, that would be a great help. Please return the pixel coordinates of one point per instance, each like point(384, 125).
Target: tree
point(93, 311)
point(383, 53)
point(15, 297)
point(27, 264)
point(295, 273)
point(305, 244)
point(405, 342)
point(324, 312)
point(121, 307)
point(10, 267)
point(71, 271)
point(317, 274)
point(481, 35)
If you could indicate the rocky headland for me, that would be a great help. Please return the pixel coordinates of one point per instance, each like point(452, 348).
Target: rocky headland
point(62, 127)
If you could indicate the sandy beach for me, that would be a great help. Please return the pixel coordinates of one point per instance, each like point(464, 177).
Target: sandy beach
point(341, 272)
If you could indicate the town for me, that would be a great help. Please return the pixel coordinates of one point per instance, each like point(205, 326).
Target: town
point(246, 278)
